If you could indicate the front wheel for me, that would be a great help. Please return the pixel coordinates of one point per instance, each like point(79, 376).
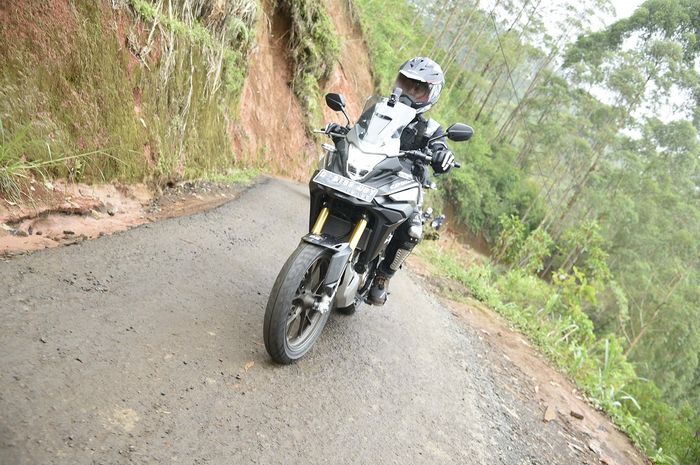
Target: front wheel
point(293, 317)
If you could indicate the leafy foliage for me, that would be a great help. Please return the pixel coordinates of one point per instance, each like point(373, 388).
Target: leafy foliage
point(573, 175)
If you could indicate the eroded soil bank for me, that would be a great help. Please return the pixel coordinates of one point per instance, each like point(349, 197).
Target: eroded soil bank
point(64, 214)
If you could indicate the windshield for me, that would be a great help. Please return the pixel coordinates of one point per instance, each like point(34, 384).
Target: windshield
point(378, 130)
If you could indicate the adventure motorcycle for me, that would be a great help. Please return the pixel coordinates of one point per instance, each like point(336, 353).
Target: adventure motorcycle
point(362, 192)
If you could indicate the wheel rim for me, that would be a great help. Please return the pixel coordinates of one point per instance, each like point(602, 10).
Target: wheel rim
point(303, 319)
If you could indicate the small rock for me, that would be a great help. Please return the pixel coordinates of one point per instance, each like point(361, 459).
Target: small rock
point(109, 208)
point(68, 232)
point(595, 447)
point(21, 233)
point(550, 414)
point(576, 448)
point(38, 233)
point(576, 414)
point(41, 339)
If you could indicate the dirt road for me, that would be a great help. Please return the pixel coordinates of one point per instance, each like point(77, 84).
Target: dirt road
point(146, 347)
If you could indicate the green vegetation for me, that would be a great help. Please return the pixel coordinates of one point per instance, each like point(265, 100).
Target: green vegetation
point(552, 318)
point(314, 50)
point(137, 93)
point(590, 204)
point(233, 176)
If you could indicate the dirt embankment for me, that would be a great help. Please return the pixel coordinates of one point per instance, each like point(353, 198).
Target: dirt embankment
point(270, 135)
point(271, 131)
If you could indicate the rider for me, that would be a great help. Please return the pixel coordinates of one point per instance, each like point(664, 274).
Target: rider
point(421, 80)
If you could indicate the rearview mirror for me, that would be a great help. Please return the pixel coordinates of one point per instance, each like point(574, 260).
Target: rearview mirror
point(335, 102)
point(460, 132)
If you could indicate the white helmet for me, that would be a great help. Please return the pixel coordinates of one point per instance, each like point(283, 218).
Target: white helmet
point(421, 79)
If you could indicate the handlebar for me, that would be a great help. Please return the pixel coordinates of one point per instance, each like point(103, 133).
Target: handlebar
point(424, 155)
point(420, 155)
point(323, 131)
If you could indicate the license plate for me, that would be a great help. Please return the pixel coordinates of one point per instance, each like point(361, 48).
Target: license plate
point(345, 185)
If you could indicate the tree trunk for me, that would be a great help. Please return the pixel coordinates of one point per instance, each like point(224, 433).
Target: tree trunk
point(486, 99)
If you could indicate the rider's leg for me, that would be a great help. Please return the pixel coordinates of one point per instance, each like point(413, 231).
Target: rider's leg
point(399, 248)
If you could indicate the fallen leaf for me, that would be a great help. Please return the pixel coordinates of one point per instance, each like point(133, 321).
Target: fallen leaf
point(249, 365)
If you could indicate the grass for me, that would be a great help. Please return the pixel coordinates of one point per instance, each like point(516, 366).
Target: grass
point(553, 321)
point(314, 51)
point(233, 176)
point(16, 171)
point(141, 93)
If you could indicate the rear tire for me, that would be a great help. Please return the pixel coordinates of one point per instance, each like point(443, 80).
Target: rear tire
point(292, 324)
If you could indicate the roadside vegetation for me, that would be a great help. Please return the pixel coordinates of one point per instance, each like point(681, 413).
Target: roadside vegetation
point(314, 51)
point(132, 90)
point(587, 199)
point(140, 90)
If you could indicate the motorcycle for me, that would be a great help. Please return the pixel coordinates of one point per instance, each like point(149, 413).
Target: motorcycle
point(434, 223)
point(362, 192)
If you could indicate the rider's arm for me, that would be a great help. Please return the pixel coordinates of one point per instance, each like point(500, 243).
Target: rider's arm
point(442, 156)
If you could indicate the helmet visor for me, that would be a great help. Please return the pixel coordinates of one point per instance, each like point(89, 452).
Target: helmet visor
point(417, 90)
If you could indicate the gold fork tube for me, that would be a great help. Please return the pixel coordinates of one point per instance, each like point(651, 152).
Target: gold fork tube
point(320, 221)
point(357, 233)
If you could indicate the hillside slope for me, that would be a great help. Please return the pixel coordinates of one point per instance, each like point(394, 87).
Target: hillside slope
point(123, 92)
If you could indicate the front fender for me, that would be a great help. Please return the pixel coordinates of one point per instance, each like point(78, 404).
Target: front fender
point(340, 259)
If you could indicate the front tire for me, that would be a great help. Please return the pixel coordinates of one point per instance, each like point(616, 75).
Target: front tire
point(292, 321)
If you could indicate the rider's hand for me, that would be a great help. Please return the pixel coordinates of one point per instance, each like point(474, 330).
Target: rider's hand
point(335, 128)
point(443, 160)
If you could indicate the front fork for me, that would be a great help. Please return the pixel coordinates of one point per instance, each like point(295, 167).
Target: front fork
point(356, 234)
point(342, 252)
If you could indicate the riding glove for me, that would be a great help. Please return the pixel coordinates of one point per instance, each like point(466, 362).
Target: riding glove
point(335, 128)
point(443, 160)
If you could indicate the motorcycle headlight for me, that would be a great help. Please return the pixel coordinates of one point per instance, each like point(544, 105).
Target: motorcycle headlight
point(360, 163)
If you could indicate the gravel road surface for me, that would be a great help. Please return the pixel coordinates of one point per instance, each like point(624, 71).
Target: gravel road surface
point(146, 347)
